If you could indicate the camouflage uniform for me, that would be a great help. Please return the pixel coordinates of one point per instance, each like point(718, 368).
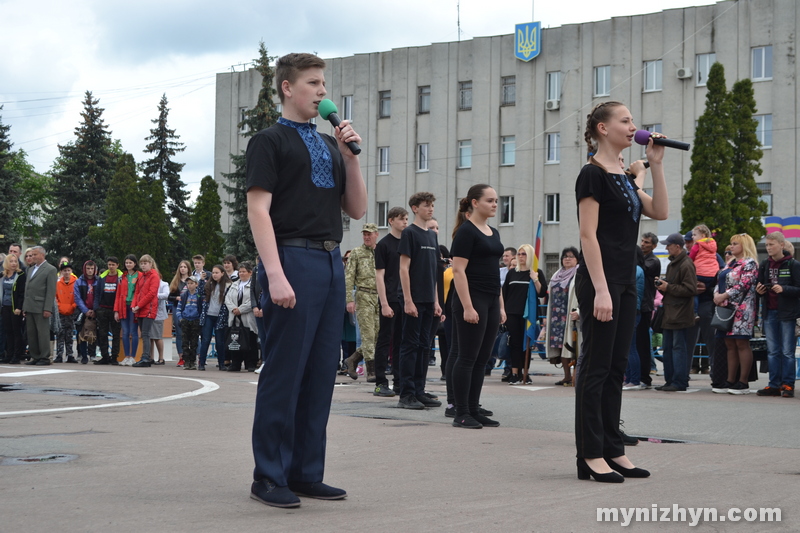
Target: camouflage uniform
point(360, 275)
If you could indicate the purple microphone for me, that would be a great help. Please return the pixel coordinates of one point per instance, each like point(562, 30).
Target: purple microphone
point(643, 137)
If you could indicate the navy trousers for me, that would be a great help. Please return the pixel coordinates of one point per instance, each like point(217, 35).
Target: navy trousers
point(301, 356)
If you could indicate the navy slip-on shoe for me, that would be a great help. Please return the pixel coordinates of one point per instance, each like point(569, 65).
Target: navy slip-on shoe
point(270, 494)
point(321, 491)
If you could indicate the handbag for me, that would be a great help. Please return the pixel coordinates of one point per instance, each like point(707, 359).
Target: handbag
point(88, 331)
point(238, 339)
point(722, 319)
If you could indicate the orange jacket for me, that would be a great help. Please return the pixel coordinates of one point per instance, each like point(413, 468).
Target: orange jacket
point(65, 296)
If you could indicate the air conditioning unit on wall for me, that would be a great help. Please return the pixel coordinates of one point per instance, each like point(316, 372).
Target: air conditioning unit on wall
point(684, 73)
point(552, 105)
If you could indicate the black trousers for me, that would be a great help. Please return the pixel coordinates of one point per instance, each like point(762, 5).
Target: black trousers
point(413, 349)
point(515, 324)
point(12, 327)
point(600, 369)
point(190, 329)
point(645, 347)
point(475, 343)
point(105, 325)
point(390, 333)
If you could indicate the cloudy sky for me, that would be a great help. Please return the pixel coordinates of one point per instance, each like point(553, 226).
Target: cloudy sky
point(129, 54)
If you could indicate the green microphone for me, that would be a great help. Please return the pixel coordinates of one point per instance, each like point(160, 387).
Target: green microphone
point(327, 110)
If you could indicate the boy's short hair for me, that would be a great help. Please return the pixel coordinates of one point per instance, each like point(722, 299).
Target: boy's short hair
point(289, 66)
point(420, 198)
point(396, 212)
point(112, 259)
point(776, 236)
point(199, 258)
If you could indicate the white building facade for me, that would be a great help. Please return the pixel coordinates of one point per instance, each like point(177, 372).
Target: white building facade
point(444, 117)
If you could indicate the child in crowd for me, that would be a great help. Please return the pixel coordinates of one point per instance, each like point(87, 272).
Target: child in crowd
point(188, 315)
point(65, 297)
point(704, 254)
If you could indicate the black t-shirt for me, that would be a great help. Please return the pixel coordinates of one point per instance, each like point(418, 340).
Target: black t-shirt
point(483, 253)
point(423, 249)
point(515, 291)
point(279, 162)
point(618, 220)
point(387, 258)
point(109, 291)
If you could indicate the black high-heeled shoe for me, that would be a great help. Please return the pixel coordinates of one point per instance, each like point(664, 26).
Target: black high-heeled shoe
point(584, 472)
point(628, 472)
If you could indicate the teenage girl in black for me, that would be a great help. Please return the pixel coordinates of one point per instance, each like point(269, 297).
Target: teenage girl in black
point(609, 208)
point(477, 305)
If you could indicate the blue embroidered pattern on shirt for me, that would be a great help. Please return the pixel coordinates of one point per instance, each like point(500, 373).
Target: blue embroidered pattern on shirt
point(321, 161)
point(634, 202)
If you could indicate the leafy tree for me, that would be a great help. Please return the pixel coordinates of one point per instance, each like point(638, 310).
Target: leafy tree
point(136, 221)
point(708, 193)
point(163, 146)
point(81, 176)
point(35, 191)
point(9, 188)
point(206, 232)
point(747, 207)
point(263, 115)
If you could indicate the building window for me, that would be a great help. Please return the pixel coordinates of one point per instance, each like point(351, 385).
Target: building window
point(553, 148)
point(464, 95)
point(762, 63)
point(766, 196)
point(508, 148)
point(383, 160)
point(384, 104)
point(552, 208)
point(652, 75)
point(602, 80)
point(551, 265)
point(424, 99)
point(764, 130)
point(464, 154)
point(345, 221)
point(704, 62)
point(507, 210)
point(422, 157)
point(383, 214)
point(554, 86)
point(347, 108)
point(242, 117)
point(509, 90)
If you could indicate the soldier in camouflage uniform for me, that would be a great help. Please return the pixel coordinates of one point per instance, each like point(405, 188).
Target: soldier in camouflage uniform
point(360, 277)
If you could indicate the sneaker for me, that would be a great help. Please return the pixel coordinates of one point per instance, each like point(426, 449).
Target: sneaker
point(467, 422)
point(787, 391)
point(485, 412)
point(527, 380)
point(141, 364)
point(739, 388)
point(722, 389)
point(628, 440)
point(360, 370)
point(485, 421)
point(450, 412)
point(430, 395)
point(428, 402)
point(409, 402)
point(769, 391)
point(189, 366)
point(671, 388)
point(59, 360)
point(631, 386)
point(73, 360)
point(513, 379)
point(180, 362)
point(259, 369)
point(383, 391)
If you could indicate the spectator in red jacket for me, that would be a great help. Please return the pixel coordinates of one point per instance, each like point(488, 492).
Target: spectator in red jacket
point(145, 305)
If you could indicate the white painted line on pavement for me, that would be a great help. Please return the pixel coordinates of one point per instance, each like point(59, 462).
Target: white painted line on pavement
point(534, 389)
point(207, 386)
point(35, 373)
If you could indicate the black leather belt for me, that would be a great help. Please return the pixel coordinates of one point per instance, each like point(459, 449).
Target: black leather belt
point(328, 246)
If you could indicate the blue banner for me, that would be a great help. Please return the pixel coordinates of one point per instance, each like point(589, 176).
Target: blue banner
point(527, 40)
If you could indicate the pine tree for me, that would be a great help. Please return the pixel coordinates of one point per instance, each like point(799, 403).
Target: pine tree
point(136, 222)
point(709, 193)
point(206, 232)
point(81, 176)
point(263, 115)
point(747, 207)
point(9, 189)
point(163, 146)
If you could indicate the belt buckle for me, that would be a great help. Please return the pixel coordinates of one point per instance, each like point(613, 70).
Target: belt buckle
point(329, 245)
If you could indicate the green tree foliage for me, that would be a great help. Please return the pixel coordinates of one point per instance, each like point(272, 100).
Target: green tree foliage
point(747, 207)
point(709, 193)
point(206, 233)
point(163, 146)
point(136, 222)
point(263, 115)
point(9, 189)
point(81, 176)
point(34, 191)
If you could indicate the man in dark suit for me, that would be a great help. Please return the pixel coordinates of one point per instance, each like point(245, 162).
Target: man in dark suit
point(40, 292)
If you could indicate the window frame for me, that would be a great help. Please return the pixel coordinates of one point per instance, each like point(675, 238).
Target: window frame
point(506, 207)
point(465, 95)
point(765, 187)
point(508, 90)
point(763, 133)
point(705, 69)
point(464, 151)
point(606, 69)
point(382, 214)
point(423, 159)
point(550, 150)
point(553, 90)
point(505, 141)
point(423, 99)
point(765, 51)
point(383, 160)
point(384, 104)
point(658, 76)
point(552, 208)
